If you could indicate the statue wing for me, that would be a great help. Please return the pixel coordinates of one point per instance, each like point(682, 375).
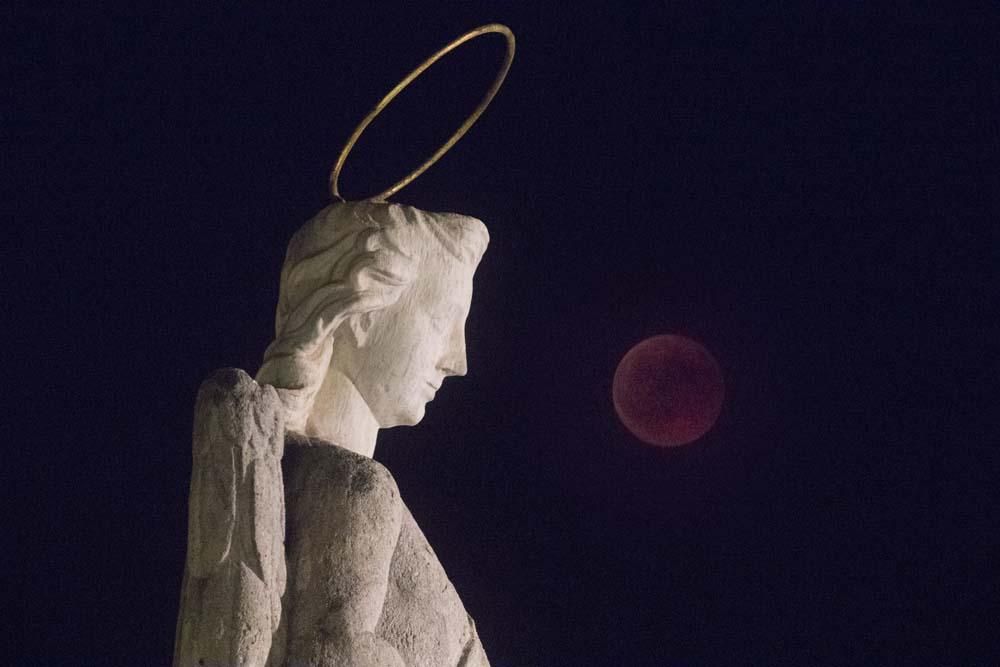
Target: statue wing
point(234, 576)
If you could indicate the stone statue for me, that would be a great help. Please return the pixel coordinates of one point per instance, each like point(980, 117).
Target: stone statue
point(301, 551)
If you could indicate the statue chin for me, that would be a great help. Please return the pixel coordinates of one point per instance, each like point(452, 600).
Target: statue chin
point(410, 416)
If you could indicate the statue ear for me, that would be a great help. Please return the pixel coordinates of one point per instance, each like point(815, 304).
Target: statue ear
point(359, 325)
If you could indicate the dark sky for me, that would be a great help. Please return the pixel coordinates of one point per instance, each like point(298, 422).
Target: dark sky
point(802, 187)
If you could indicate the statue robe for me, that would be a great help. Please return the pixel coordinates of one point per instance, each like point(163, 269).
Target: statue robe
point(266, 588)
point(341, 504)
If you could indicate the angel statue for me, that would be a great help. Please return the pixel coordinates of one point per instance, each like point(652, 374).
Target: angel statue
point(300, 549)
point(370, 320)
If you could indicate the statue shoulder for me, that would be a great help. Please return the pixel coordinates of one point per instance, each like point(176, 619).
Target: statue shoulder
point(340, 476)
point(370, 481)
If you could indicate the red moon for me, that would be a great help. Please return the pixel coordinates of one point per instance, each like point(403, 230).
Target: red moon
point(668, 390)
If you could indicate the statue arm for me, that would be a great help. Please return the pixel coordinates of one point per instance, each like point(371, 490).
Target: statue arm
point(342, 569)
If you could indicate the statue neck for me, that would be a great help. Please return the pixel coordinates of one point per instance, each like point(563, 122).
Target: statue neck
point(341, 416)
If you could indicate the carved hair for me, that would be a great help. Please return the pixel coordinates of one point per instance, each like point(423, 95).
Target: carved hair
point(350, 260)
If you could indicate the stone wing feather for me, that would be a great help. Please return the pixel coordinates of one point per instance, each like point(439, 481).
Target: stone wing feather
point(235, 573)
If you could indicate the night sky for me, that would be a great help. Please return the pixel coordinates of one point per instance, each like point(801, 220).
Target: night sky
point(802, 187)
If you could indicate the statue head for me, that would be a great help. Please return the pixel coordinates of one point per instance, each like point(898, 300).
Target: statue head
point(378, 293)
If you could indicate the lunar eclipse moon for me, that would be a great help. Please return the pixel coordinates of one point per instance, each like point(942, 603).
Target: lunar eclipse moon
point(668, 390)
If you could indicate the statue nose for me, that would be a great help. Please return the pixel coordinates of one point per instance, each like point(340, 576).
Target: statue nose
point(455, 363)
point(455, 366)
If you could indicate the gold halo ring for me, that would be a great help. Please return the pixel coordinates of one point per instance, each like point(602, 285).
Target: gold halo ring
point(384, 102)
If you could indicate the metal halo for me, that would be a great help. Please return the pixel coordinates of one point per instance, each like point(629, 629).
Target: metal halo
point(498, 28)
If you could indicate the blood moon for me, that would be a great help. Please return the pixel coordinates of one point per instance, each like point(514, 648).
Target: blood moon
point(668, 390)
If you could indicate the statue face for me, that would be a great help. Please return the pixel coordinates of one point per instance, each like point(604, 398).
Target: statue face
point(411, 346)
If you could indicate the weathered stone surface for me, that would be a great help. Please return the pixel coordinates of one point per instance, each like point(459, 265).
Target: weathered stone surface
point(385, 580)
point(235, 572)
